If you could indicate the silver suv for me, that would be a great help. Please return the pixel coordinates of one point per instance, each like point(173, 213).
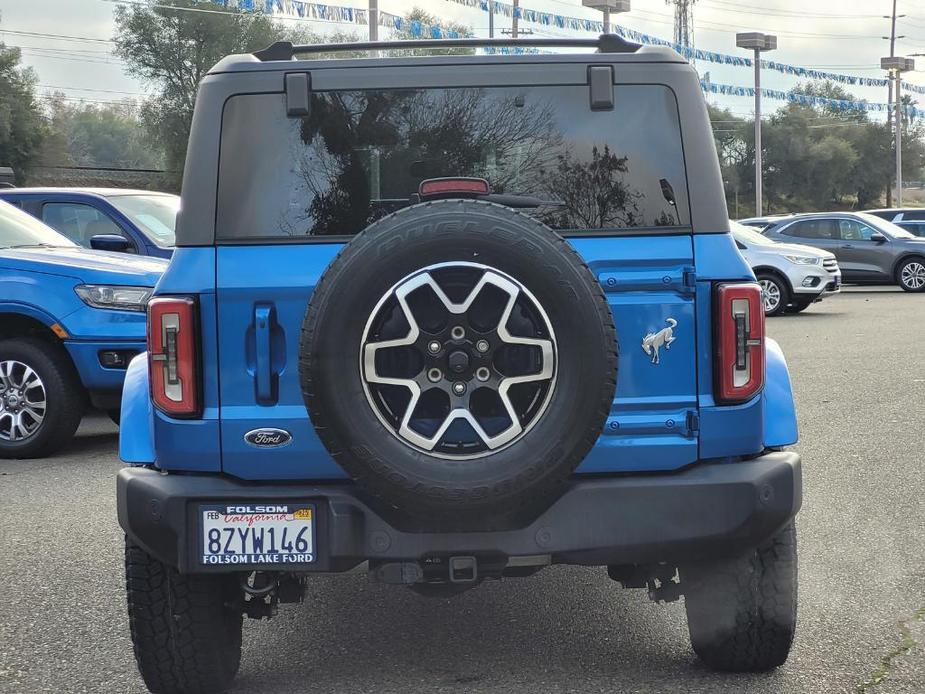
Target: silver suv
point(869, 249)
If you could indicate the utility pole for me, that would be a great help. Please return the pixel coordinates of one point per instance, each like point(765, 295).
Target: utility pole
point(373, 20)
point(491, 19)
point(757, 42)
point(896, 66)
point(889, 83)
point(515, 15)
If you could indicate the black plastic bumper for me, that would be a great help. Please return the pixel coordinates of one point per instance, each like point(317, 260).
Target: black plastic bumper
point(707, 510)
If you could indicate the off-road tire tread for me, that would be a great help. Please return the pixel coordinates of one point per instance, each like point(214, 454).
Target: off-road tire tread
point(553, 483)
point(62, 384)
point(742, 612)
point(185, 638)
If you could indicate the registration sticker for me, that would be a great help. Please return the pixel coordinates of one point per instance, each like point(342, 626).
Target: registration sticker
point(245, 533)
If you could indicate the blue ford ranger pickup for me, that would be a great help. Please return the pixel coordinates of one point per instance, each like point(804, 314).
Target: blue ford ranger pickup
point(454, 318)
point(71, 320)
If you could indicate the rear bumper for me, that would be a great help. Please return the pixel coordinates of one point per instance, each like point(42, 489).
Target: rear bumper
point(707, 510)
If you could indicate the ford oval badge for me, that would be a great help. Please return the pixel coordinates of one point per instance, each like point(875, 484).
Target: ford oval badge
point(268, 438)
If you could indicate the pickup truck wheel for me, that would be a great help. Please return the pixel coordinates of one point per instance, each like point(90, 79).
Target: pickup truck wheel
point(185, 631)
point(41, 398)
point(741, 612)
point(459, 360)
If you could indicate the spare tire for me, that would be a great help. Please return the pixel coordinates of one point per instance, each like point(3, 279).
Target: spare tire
point(458, 360)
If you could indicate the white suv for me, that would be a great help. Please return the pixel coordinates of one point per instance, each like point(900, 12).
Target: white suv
point(792, 276)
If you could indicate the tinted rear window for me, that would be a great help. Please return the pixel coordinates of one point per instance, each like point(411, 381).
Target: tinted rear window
point(360, 155)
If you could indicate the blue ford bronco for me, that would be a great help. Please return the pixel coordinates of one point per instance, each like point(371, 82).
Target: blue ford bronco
point(454, 318)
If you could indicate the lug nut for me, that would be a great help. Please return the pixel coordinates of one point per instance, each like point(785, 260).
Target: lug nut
point(459, 387)
point(482, 373)
point(433, 347)
point(482, 345)
point(434, 375)
point(457, 332)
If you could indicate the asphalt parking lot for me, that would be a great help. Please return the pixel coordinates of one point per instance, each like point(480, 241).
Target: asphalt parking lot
point(858, 365)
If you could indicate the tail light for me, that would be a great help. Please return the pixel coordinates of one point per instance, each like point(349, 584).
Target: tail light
point(739, 366)
point(173, 359)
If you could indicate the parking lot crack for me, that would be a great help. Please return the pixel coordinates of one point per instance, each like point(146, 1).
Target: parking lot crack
point(906, 643)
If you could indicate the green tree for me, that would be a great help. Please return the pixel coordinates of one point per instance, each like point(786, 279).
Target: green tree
point(172, 45)
point(107, 135)
point(21, 125)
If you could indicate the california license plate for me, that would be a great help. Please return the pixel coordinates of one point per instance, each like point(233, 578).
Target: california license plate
point(246, 533)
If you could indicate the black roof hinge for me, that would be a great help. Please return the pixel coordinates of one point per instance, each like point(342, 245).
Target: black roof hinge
point(600, 83)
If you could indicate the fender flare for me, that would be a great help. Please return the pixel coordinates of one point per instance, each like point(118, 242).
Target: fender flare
point(780, 414)
point(136, 427)
point(30, 311)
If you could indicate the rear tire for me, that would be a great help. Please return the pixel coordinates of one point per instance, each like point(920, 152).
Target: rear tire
point(185, 634)
point(911, 275)
point(741, 612)
point(775, 294)
point(50, 379)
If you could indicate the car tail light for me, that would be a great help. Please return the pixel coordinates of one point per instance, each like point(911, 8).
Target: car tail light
point(739, 363)
point(173, 359)
point(453, 186)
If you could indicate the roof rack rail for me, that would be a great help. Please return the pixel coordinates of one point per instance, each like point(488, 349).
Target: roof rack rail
point(605, 43)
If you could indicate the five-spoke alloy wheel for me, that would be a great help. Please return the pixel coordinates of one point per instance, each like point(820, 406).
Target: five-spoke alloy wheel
point(460, 383)
point(458, 360)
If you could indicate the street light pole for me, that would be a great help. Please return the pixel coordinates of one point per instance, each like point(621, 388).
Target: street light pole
point(896, 66)
point(373, 20)
point(608, 7)
point(899, 139)
point(758, 42)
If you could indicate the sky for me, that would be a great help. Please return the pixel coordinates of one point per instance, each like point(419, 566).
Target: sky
point(844, 36)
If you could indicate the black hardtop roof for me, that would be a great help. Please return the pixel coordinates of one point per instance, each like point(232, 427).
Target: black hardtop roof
point(282, 56)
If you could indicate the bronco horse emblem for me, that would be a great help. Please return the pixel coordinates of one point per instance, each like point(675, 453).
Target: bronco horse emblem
point(663, 338)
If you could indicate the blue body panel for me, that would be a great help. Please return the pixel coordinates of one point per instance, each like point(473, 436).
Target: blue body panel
point(33, 200)
point(194, 444)
point(39, 283)
point(646, 280)
point(253, 300)
point(136, 423)
point(780, 414)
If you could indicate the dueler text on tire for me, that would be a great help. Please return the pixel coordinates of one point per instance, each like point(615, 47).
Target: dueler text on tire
point(41, 398)
point(459, 360)
point(741, 612)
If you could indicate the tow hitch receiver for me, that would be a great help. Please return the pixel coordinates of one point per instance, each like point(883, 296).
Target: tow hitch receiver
point(436, 570)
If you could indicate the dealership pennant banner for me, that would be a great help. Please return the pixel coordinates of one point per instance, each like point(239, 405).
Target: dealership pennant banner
point(348, 15)
point(804, 99)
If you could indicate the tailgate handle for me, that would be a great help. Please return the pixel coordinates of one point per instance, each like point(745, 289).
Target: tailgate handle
point(263, 371)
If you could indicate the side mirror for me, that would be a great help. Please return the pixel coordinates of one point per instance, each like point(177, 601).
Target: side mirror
point(878, 238)
point(111, 242)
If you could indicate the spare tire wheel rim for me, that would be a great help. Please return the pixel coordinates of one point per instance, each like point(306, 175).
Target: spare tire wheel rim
point(463, 384)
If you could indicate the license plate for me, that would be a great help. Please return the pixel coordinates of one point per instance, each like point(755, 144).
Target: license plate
point(247, 533)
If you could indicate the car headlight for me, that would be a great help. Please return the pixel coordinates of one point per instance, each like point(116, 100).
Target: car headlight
point(803, 259)
point(114, 297)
